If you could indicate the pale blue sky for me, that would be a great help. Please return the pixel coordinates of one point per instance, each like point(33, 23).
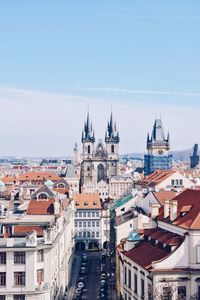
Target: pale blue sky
point(143, 57)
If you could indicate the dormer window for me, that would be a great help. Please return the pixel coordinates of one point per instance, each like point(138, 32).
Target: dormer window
point(86, 203)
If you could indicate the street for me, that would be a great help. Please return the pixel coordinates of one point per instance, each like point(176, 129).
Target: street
point(96, 283)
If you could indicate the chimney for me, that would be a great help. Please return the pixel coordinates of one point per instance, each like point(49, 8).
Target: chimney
point(154, 210)
point(173, 210)
point(166, 209)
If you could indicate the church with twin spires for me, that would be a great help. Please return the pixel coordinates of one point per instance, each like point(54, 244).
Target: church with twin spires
point(101, 161)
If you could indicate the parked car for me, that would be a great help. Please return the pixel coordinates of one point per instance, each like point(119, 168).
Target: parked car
point(81, 285)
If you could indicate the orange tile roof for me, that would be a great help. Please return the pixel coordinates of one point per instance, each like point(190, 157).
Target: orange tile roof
point(38, 176)
point(157, 177)
point(63, 191)
point(163, 195)
point(25, 230)
point(8, 179)
point(87, 201)
point(188, 210)
point(41, 207)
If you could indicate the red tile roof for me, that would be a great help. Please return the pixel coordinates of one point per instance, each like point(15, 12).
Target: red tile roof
point(144, 254)
point(25, 230)
point(41, 207)
point(38, 176)
point(188, 210)
point(157, 177)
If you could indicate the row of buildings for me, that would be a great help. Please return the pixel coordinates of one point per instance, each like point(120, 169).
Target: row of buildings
point(48, 210)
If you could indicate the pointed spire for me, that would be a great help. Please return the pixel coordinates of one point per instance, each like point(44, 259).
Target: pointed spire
point(88, 133)
point(112, 135)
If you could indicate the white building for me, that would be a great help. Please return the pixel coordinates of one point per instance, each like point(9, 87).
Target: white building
point(164, 262)
point(92, 224)
point(36, 251)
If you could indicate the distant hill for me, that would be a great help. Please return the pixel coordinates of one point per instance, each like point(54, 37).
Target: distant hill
point(181, 155)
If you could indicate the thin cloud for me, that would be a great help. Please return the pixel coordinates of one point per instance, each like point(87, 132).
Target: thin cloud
point(141, 92)
point(150, 17)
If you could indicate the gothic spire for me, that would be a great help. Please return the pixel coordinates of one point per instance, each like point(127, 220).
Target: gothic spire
point(112, 135)
point(88, 132)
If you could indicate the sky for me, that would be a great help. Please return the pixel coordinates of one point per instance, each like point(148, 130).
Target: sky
point(57, 58)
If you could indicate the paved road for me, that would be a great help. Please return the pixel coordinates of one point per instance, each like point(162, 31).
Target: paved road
point(74, 277)
point(92, 284)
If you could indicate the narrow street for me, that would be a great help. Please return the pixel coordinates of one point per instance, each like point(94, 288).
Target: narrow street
point(93, 278)
point(93, 288)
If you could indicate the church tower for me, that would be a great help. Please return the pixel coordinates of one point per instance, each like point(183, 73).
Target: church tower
point(158, 146)
point(112, 140)
point(112, 147)
point(88, 139)
point(194, 158)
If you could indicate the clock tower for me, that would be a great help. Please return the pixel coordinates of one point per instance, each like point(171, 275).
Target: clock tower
point(158, 146)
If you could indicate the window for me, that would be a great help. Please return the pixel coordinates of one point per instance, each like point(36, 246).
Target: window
point(93, 224)
point(97, 214)
point(150, 292)
point(112, 148)
point(97, 234)
point(93, 234)
point(80, 214)
point(19, 297)
point(84, 234)
point(76, 214)
point(135, 284)
point(80, 234)
point(2, 297)
point(97, 223)
point(89, 214)
point(76, 224)
point(198, 254)
point(40, 275)
point(42, 196)
point(84, 214)
point(181, 182)
point(129, 279)
point(93, 214)
point(167, 293)
point(88, 234)
point(2, 278)
point(40, 255)
point(84, 224)
point(80, 224)
point(181, 292)
point(125, 275)
point(142, 288)
point(2, 258)
point(172, 182)
point(19, 278)
point(19, 258)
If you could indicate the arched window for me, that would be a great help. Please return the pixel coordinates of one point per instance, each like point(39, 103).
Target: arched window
point(100, 175)
point(42, 196)
point(112, 148)
point(88, 149)
point(61, 186)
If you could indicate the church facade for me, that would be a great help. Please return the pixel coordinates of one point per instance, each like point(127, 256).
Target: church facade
point(99, 162)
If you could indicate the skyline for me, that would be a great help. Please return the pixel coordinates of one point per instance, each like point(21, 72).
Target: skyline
point(43, 129)
point(140, 57)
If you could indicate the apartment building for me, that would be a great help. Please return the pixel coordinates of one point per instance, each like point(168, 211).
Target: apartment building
point(92, 225)
point(36, 251)
point(163, 262)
